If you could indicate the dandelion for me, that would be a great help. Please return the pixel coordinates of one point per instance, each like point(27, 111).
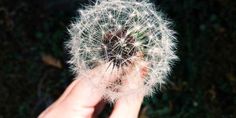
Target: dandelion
point(123, 33)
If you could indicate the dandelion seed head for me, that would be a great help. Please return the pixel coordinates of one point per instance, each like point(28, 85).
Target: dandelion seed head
point(120, 32)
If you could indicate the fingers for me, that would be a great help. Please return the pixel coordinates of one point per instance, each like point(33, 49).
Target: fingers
point(81, 97)
point(58, 101)
point(128, 106)
point(86, 92)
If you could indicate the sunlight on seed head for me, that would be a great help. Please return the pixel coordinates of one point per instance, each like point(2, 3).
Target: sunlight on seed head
point(137, 44)
point(125, 34)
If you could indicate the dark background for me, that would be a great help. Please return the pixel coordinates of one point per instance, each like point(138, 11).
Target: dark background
point(33, 72)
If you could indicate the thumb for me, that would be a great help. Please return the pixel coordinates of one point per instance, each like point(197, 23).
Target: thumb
point(85, 94)
point(81, 97)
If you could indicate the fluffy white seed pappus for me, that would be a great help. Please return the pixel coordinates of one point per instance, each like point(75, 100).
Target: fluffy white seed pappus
point(125, 34)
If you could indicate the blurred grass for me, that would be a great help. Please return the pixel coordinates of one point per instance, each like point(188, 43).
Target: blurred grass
point(203, 82)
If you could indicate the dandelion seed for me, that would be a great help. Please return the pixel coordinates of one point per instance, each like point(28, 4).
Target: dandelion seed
point(137, 44)
point(121, 33)
point(110, 16)
point(151, 36)
point(119, 27)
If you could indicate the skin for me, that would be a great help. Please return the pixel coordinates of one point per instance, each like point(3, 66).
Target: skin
point(81, 100)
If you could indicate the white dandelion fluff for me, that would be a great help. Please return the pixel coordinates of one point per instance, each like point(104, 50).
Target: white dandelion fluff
point(123, 33)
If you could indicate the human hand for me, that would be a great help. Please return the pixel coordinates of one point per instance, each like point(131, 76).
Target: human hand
point(81, 101)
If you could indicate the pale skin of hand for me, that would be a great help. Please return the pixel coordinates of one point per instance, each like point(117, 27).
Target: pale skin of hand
point(80, 101)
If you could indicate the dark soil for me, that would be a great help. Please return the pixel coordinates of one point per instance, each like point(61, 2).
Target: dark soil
point(202, 84)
